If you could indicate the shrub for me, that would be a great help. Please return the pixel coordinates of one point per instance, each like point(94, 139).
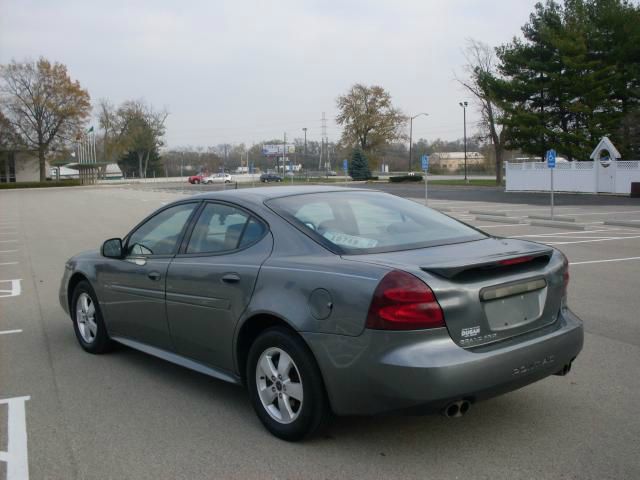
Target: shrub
point(406, 178)
point(59, 183)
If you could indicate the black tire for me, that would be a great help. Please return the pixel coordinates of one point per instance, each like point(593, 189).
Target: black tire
point(314, 410)
point(100, 343)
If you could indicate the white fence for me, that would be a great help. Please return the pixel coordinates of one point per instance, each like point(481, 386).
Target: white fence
point(590, 177)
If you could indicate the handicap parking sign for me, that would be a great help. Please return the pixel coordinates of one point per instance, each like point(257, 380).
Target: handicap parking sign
point(551, 158)
point(425, 162)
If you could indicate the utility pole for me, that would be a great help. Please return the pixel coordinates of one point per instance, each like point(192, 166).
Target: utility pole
point(224, 161)
point(284, 151)
point(323, 141)
point(411, 136)
point(305, 146)
point(464, 116)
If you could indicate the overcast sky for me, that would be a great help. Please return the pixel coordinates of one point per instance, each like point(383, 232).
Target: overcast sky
point(244, 71)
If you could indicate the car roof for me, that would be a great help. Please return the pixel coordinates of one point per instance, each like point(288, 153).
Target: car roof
point(261, 194)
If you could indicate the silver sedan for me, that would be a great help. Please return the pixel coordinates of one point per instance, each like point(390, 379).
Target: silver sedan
point(323, 300)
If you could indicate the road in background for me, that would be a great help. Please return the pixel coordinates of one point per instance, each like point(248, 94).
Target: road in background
point(129, 415)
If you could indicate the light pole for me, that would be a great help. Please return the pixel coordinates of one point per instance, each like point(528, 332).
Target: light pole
point(464, 117)
point(411, 136)
point(304, 160)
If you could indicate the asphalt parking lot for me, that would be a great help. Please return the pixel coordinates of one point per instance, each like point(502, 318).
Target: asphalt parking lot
point(70, 415)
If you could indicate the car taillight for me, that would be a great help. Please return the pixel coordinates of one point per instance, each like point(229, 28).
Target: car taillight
point(515, 261)
point(403, 302)
point(565, 276)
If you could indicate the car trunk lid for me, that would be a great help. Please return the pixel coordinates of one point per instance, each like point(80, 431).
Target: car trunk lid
point(489, 290)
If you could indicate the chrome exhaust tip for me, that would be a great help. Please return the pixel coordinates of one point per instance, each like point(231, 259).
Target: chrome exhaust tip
point(457, 409)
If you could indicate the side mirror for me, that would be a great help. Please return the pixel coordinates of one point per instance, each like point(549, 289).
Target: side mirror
point(112, 248)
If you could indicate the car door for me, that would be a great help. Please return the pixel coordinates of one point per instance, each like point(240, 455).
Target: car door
point(211, 280)
point(135, 285)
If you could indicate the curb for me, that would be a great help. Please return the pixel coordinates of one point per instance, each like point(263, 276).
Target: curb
point(487, 212)
point(549, 223)
point(554, 219)
point(490, 218)
point(622, 223)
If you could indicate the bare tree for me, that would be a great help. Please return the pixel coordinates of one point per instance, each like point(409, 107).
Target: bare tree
point(43, 105)
point(134, 127)
point(480, 70)
point(368, 117)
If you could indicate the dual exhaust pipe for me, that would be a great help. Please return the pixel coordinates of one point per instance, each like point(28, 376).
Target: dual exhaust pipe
point(456, 409)
point(461, 407)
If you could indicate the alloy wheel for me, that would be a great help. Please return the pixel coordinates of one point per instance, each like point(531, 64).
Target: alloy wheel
point(279, 385)
point(86, 318)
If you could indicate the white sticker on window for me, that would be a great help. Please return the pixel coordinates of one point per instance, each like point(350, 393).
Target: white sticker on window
point(350, 241)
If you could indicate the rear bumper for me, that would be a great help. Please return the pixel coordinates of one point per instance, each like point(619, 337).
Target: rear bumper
point(422, 371)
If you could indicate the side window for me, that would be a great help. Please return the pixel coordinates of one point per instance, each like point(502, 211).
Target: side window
point(219, 229)
point(161, 233)
point(253, 232)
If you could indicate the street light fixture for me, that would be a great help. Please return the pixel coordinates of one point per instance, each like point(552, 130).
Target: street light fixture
point(464, 106)
point(411, 136)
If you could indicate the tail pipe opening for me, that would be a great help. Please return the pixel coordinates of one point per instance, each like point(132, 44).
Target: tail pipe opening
point(566, 368)
point(456, 409)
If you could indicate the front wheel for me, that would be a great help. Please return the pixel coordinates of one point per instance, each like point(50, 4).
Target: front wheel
point(87, 320)
point(285, 385)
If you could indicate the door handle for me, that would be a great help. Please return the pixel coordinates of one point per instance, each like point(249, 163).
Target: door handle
point(231, 278)
point(155, 276)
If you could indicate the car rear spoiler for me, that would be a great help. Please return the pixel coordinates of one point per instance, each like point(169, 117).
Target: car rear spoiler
point(492, 264)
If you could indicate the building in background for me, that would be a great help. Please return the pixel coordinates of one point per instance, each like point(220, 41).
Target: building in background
point(454, 161)
point(19, 166)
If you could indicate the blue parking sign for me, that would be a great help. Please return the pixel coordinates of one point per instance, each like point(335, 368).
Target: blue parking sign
point(551, 158)
point(345, 165)
point(425, 162)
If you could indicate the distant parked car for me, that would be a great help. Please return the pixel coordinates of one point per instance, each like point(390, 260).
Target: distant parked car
point(270, 177)
point(332, 173)
point(195, 179)
point(218, 178)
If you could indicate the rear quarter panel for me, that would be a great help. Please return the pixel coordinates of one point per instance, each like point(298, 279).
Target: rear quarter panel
point(286, 285)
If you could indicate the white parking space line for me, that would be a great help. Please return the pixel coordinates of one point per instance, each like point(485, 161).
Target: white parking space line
point(607, 213)
point(7, 332)
point(16, 456)
point(9, 263)
point(591, 241)
point(504, 225)
point(14, 291)
point(605, 261)
point(618, 231)
point(8, 251)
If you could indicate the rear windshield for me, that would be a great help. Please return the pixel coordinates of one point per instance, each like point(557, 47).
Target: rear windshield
point(370, 222)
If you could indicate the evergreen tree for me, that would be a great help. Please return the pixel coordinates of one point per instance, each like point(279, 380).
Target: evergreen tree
point(573, 78)
point(359, 166)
